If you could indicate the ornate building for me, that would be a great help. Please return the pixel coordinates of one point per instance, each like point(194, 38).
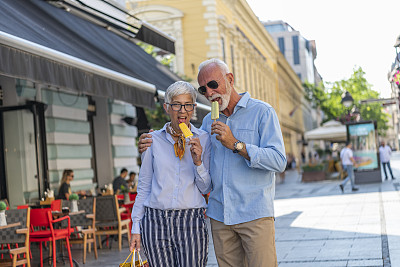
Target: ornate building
point(229, 30)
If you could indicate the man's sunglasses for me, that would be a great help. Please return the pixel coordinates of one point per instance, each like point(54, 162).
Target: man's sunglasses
point(211, 84)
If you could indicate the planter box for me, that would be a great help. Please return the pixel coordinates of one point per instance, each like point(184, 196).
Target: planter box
point(312, 176)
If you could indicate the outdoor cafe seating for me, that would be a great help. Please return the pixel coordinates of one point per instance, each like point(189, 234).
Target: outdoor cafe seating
point(45, 229)
point(84, 224)
point(108, 219)
point(14, 238)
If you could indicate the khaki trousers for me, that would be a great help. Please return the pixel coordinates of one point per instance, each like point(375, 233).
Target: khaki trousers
point(250, 244)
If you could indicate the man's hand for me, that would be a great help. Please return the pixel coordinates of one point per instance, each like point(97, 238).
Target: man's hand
point(145, 141)
point(135, 242)
point(224, 134)
point(196, 150)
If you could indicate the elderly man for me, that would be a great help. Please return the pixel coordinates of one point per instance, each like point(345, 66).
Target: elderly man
point(247, 151)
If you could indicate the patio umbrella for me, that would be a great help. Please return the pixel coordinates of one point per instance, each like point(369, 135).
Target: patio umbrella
point(332, 131)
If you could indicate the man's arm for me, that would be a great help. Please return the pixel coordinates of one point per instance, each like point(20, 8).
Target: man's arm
point(225, 136)
point(269, 155)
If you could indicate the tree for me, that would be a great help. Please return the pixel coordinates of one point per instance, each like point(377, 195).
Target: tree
point(157, 117)
point(329, 100)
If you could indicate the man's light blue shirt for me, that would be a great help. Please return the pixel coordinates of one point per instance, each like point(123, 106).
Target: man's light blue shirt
point(244, 190)
point(165, 182)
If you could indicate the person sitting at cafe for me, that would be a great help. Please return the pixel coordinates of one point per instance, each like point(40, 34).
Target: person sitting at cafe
point(132, 182)
point(65, 188)
point(120, 180)
point(65, 185)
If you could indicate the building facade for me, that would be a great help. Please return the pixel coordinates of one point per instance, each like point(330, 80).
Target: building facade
point(230, 31)
point(300, 54)
point(392, 136)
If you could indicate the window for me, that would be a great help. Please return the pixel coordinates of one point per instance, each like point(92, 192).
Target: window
point(281, 43)
point(299, 74)
point(296, 57)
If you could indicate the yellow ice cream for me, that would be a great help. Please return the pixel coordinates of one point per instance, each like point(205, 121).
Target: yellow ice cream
point(185, 130)
point(214, 110)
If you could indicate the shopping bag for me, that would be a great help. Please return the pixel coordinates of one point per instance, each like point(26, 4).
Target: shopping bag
point(138, 263)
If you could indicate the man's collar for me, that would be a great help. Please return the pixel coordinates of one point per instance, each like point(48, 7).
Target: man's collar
point(243, 100)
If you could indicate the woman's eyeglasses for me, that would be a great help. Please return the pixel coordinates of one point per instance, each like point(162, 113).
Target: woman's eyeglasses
point(177, 107)
point(211, 84)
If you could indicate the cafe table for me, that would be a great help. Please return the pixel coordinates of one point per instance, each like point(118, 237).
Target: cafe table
point(10, 225)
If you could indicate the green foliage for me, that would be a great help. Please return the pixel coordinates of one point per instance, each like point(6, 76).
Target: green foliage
point(165, 59)
point(313, 168)
point(3, 205)
point(124, 189)
point(157, 117)
point(329, 100)
point(74, 196)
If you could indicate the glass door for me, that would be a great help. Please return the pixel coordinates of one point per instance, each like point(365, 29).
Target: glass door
point(24, 174)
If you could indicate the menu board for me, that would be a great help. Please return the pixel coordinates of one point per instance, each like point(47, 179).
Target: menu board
point(363, 138)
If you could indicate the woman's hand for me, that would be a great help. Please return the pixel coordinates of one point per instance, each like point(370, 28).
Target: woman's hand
point(135, 242)
point(196, 150)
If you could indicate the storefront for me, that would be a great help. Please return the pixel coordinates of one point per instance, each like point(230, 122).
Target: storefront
point(72, 93)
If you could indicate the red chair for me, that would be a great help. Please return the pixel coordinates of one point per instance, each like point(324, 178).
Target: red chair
point(22, 207)
point(132, 196)
point(42, 218)
point(56, 205)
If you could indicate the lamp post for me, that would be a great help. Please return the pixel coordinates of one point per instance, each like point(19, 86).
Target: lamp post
point(397, 45)
point(347, 101)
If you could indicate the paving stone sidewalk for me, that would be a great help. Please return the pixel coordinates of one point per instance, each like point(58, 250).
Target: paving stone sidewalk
point(318, 225)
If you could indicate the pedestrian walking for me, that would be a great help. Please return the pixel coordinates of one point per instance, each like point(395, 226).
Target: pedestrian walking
point(384, 154)
point(348, 163)
point(168, 214)
point(247, 151)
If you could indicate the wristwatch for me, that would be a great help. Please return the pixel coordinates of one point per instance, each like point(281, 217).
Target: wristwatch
point(238, 146)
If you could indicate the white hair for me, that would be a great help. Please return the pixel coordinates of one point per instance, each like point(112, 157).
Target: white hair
point(180, 88)
point(222, 65)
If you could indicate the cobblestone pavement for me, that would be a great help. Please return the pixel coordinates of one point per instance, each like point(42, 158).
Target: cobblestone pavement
point(318, 225)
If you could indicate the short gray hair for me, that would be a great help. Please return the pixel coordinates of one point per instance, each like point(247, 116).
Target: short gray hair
point(222, 65)
point(180, 88)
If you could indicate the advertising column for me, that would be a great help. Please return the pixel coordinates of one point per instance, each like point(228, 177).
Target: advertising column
point(363, 135)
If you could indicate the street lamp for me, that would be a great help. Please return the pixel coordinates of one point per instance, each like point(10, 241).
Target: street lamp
point(354, 112)
point(347, 100)
point(397, 45)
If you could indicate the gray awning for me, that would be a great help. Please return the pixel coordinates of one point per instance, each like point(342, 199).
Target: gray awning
point(43, 43)
point(26, 60)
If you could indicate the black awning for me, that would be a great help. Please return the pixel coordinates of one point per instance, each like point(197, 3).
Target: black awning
point(41, 23)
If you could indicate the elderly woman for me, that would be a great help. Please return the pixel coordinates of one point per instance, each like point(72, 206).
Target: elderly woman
point(168, 215)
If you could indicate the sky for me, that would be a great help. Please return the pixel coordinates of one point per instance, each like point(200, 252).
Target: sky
point(348, 34)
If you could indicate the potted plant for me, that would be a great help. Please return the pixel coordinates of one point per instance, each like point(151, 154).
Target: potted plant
point(125, 191)
point(313, 172)
point(74, 202)
point(3, 207)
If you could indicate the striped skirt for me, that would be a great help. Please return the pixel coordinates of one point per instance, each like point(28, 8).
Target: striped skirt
point(175, 238)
